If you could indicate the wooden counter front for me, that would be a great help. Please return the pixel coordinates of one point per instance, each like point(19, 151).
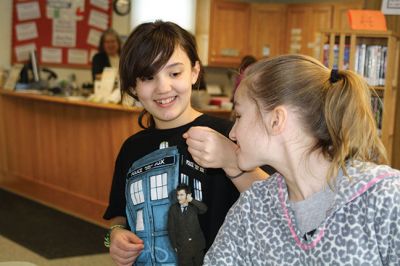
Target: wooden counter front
point(62, 152)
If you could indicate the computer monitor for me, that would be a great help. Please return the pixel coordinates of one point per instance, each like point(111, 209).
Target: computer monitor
point(34, 65)
point(30, 73)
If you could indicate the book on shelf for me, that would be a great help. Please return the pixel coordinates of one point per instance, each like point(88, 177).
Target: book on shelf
point(377, 109)
point(346, 56)
point(369, 62)
point(360, 59)
point(383, 64)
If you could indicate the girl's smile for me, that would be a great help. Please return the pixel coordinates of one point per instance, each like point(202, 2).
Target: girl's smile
point(166, 95)
point(166, 102)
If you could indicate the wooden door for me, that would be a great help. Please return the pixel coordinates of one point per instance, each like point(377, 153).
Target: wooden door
point(295, 28)
point(229, 33)
point(303, 24)
point(268, 24)
point(321, 18)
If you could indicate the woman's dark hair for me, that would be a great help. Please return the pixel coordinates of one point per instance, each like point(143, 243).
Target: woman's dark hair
point(147, 49)
point(103, 36)
point(246, 61)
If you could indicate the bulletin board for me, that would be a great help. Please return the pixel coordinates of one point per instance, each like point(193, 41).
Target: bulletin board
point(63, 33)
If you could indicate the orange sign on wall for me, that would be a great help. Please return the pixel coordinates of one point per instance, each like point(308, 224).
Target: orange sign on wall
point(360, 19)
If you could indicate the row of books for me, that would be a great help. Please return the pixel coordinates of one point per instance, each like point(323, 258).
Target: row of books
point(377, 109)
point(370, 61)
point(346, 56)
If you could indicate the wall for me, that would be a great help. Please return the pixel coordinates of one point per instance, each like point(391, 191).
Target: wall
point(120, 23)
point(5, 33)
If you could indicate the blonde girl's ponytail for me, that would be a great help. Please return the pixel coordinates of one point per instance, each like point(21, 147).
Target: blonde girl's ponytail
point(350, 121)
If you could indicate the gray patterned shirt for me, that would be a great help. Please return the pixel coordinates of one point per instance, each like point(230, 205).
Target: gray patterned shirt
point(361, 228)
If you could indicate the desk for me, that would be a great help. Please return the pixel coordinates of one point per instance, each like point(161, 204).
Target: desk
point(62, 152)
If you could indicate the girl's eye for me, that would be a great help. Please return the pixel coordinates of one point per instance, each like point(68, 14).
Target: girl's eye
point(146, 78)
point(175, 74)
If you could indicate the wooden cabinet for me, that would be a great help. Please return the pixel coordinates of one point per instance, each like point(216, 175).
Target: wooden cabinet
point(62, 152)
point(375, 55)
point(340, 17)
point(267, 29)
point(238, 28)
point(304, 22)
point(203, 29)
point(229, 33)
point(303, 25)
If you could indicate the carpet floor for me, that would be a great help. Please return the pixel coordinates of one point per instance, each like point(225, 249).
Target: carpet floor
point(46, 231)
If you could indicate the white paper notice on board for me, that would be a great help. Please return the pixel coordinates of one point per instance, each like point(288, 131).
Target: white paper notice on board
point(77, 56)
point(51, 55)
point(26, 31)
point(70, 9)
point(98, 19)
point(390, 7)
point(103, 4)
point(22, 51)
point(59, 3)
point(28, 11)
point(64, 32)
point(94, 37)
point(60, 13)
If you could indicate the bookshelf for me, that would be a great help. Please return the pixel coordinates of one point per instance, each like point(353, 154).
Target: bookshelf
point(375, 56)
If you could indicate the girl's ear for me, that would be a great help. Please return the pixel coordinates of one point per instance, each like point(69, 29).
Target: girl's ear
point(195, 72)
point(278, 119)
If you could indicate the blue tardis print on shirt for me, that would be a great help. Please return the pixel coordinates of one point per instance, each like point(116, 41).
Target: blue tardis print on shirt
point(150, 191)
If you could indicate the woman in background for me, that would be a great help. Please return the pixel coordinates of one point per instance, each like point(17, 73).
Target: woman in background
point(246, 62)
point(108, 55)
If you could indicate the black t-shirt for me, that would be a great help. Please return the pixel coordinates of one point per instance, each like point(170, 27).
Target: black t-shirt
point(99, 62)
point(219, 192)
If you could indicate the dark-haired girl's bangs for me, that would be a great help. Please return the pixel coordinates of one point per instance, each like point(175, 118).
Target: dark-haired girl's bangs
point(161, 51)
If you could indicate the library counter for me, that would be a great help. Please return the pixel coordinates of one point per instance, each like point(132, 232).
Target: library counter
point(61, 152)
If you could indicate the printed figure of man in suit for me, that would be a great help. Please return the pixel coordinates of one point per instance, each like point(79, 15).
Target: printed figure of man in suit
point(184, 229)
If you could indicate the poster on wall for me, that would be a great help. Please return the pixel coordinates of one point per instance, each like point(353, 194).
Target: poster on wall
point(390, 7)
point(62, 32)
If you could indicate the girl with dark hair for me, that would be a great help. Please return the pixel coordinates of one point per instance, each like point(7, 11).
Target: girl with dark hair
point(159, 66)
